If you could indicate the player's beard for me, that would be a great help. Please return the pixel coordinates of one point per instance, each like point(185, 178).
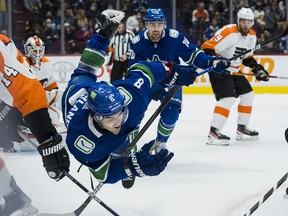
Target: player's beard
point(155, 36)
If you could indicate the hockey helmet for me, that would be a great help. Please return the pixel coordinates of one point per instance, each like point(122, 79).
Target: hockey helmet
point(105, 100)
point(245, 13)
point(34, 50)
point(154, 15)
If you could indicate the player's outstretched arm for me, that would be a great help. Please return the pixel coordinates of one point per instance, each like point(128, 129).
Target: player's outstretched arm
point(143, 163)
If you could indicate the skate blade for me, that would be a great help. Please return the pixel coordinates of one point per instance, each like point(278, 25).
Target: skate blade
point(217, 142)
point(244, 137)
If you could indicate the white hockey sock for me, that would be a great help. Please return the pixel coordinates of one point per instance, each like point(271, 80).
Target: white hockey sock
point(245, 108)
point(221, 112)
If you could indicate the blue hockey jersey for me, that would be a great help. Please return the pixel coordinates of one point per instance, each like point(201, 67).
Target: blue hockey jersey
point(170, 47)
point(90, 144)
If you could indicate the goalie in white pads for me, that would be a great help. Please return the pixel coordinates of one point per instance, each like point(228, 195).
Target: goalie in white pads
point(229, 41)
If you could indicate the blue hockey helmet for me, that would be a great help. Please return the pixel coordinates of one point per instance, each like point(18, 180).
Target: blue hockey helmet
point(105, 100)
point(154, 15)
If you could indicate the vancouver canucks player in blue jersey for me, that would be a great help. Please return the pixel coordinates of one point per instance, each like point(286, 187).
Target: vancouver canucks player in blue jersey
point(102, 119)
point(159, 43)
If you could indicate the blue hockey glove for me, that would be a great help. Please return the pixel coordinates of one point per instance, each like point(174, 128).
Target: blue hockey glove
point(158, 91)
point(143, 163)
point(219, 64)
point(180, 75)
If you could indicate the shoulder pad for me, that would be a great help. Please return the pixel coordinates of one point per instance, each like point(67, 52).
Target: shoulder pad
point(135, 39)
point(173, 33)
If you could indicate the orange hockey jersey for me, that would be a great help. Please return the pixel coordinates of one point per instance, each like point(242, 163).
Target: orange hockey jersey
point(19, 87)
point(228, 42)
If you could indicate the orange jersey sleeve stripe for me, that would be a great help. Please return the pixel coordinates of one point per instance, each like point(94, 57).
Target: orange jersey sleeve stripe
point(222, 111)
point(245, 109)
point(6, 40)
point(210, 44)
point(52, 86)
point(44, 59)
point(20, 57)
point(28, 94)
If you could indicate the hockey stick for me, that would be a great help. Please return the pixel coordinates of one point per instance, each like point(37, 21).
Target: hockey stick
point(249, 74)
point(91, 195)
point(258, 46)
point(267, 195)
point(156, 113)
point(80, 209)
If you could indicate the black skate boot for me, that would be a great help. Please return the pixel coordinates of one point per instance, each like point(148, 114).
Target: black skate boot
point(215, 137)
point(246, 134)
point(17, 203)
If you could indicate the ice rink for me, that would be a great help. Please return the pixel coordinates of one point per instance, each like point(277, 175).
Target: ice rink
point(200, 180)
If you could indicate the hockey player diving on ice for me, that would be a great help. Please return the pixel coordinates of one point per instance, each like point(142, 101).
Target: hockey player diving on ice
point(103, 119)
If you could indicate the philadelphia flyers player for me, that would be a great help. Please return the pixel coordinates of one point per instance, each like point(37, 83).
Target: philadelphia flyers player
point(231, 40)
point(42, 69)
point(20, 89)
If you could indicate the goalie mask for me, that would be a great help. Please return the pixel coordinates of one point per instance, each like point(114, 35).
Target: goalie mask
point(105, 100)
point(34, 50)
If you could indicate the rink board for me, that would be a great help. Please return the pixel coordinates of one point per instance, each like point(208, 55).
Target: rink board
point(63, 66)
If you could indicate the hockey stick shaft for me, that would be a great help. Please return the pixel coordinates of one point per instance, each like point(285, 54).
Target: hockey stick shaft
point(249, 74)
point(157, 112)
point(81, 208)
point(151, 120)
point(267, 195)
point(91, 194)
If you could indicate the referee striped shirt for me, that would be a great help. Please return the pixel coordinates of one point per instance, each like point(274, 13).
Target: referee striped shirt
point(121, 43)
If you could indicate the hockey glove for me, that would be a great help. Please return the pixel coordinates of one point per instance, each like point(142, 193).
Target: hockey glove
point(143, 163)
point(54, 157)
point(158, 91)
point(286, 135)
point(180, 75)
point(261, 73)
point(107, 22)
point(219, 64)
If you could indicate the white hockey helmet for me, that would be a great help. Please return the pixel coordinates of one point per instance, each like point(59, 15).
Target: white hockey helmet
point(245, 13)
point(34, 50)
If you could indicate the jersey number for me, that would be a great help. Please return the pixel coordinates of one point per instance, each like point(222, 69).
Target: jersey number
point(139, 83)
point(218, 37)
point(8, 72)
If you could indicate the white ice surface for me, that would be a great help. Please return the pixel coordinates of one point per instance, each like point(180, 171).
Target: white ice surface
point(200, 180)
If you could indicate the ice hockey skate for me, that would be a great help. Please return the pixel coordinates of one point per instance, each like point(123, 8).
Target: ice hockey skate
point(17, 203)
point(157, 146)
point(246, 134)
point(215, 137)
